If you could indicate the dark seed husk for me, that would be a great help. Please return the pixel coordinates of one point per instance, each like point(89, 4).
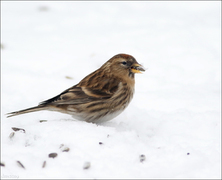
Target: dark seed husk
point(53, 155)
point(20, 164)
point(2, 164)
point(42, 121)
point(142, 157)
point(86, 165)
point(43, 165)
point(18, 129)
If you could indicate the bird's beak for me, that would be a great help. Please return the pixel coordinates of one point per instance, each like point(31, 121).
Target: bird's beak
point(137, 68)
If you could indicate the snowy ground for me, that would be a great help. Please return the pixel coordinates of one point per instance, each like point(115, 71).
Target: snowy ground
point(174, 118)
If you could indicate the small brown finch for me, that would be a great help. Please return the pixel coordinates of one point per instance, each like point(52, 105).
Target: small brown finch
point(100, 96)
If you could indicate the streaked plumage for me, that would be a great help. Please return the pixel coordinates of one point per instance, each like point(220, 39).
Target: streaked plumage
point(100, 96)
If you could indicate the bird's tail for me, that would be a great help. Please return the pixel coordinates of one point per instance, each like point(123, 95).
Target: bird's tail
point(32, 109)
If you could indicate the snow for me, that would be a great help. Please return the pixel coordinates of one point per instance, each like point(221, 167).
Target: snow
point(173, 119)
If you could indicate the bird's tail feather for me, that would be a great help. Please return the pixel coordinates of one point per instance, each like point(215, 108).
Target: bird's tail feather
point(32, 109)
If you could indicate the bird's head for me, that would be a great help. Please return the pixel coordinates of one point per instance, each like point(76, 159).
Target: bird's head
point(120, 68)
point(124, 66)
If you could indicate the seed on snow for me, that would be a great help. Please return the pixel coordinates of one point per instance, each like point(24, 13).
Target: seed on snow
point(142, 157)
point(18, 129)
point(53, 155)
point(86, 165)
point(42, 121)
point(44, 163)
point(11, 135)
point(64, 148)
point(2, 164)
point(20, 164)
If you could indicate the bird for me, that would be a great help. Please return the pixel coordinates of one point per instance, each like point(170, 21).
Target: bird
point(100, 96)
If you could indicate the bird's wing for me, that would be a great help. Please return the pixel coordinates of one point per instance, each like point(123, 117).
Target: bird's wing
point(84, 93)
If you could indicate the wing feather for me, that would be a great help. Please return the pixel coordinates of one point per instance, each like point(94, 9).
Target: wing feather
point(83, 93)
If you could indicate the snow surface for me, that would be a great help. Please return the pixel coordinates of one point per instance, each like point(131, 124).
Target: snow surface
point(174, 118)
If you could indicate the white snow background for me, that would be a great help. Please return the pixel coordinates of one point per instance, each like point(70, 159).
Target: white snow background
point(173, 119)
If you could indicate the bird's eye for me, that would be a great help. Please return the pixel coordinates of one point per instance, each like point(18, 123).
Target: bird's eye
point(124, 63)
